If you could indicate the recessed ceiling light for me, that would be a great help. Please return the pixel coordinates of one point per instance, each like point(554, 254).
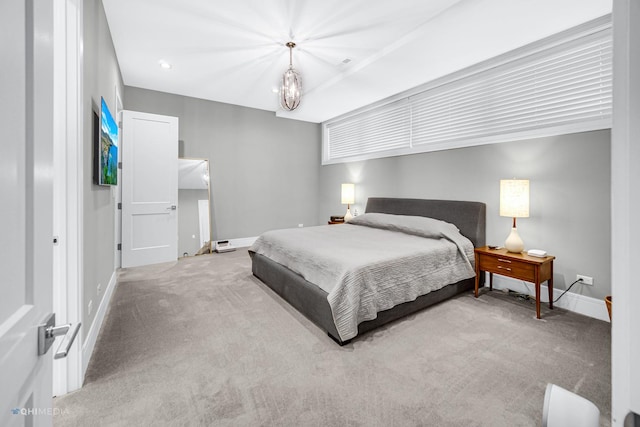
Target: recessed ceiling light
point(165, 65)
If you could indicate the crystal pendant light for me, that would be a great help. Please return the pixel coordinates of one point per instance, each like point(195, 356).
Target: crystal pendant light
point(291, 89)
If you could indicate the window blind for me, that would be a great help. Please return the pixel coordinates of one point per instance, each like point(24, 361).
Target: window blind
point(565, 87)
point(381, 130)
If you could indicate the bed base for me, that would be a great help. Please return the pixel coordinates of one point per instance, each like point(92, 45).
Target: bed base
point(337, 340)
point(312, 301)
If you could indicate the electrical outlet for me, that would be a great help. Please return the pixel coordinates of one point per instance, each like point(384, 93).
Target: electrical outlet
point(300, 225)
point(90, 309)
point(99, 288)
point(586, 280)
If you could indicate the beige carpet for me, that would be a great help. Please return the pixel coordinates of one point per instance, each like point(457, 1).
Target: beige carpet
point(203, 342)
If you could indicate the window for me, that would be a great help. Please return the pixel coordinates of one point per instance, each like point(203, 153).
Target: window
point(560, 85)
point(381, 130)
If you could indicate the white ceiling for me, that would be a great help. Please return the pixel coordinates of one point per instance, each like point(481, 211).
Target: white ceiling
point(234, 51)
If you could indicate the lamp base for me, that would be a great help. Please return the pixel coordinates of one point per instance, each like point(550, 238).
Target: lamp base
point(514, 243)
point(348, 215)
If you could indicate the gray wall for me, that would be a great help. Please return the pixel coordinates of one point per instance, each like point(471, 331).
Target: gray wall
point(101, 77)
point(264, 170)
point(570, 194)
point(265, 174)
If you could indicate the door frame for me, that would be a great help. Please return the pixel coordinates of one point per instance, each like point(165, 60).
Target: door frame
point(117, 256)
point(625, 179)
point(68, 374)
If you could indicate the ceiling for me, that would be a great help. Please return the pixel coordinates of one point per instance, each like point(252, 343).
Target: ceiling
point(350, 53)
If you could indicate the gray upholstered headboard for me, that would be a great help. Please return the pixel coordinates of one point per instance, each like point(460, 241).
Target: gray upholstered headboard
point(469, 217)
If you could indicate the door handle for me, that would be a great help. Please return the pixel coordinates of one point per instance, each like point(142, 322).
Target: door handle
point(172, 208)
point(47, 333)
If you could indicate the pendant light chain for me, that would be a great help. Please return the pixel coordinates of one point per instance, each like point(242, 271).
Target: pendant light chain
point(290, 54)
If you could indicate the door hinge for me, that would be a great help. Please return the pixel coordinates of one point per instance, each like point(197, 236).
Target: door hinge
point(119, 205)
point(119, 165)
point(119, 246)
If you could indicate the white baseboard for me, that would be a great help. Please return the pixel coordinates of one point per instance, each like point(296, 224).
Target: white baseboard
point(584, 305)
point(243, 242)
point(92, 336)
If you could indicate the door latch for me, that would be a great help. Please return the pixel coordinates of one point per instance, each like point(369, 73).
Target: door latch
point(47, 333)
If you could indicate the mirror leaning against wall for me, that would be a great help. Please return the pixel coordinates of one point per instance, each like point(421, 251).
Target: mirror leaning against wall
point(194, 220)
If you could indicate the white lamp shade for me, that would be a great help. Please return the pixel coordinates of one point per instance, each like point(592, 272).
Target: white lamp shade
point(514, 198)
point(348, 194)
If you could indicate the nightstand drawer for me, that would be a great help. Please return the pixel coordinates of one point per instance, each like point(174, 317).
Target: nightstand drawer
point(508, 267)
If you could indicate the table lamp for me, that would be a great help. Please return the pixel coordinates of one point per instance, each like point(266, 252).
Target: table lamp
point(514, 203)
point(348, 198)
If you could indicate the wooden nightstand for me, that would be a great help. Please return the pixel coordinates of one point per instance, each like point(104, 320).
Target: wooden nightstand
point(518, 266)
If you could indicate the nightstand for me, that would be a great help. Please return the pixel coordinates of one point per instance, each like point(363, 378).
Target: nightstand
point(518, 266)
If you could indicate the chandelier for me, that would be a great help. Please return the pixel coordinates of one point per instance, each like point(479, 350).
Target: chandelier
point(291, 89)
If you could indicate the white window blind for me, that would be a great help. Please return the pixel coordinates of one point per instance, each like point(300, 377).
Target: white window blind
point(384, 129)
point(561, 88)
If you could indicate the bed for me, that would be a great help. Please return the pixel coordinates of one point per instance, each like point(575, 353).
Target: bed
point(313, 299)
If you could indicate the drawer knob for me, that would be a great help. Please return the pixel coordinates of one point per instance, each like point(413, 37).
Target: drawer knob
point(504, 260)
point(504, 268)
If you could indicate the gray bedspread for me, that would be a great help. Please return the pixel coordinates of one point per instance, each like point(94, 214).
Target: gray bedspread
point(373, 263)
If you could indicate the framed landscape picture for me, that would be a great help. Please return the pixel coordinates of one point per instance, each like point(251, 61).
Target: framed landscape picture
point(107, 147)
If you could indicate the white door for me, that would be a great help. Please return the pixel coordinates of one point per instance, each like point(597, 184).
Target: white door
point(26, 194)
point(149, 188)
